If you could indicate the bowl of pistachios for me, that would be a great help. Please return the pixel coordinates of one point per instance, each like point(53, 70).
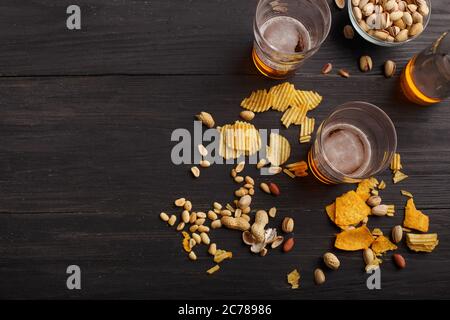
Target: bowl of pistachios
point(389, 23)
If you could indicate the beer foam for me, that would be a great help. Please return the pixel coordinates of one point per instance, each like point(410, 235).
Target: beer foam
point(286, 33)
point(347, 149)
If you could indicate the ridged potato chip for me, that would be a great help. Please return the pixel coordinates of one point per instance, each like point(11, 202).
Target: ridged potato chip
point(395, 163)
point(259, 101)
point(282, 96)
point(350, 209)
point(308, 99)
point(278, 150)
point(381, 245)
point(399, 176)
point(422, 242)
point(354, 239)
point(240, 138)
point(415, 219)
point(293, 115)
point(306, 128)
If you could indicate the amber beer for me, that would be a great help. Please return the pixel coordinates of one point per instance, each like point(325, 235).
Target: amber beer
point(426, 78)
point(287, 33)
point(355, 142)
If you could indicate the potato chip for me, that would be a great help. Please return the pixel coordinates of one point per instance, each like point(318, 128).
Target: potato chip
point(399, 176)
point(395, 163)
point(259, 101)
point(406, 193)
point(293, 279)
point(308, 99)
point(381, 245)
point(422, 242)
point(213, 269)
point(350, 209)
point(240, 138)
point(306, 129)
point(279, 149)
point(364, 188)
point(282, 96)
point(354, 239)
point(382, 185)
point(293, 115)
point(390, 209)
point(415, 219)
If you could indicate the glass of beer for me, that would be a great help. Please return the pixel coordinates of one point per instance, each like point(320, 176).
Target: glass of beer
point(286, 33)
point(355, 142)
point(426, 78)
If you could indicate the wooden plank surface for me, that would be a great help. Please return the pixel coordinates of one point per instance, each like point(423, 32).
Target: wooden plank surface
point(85, 169)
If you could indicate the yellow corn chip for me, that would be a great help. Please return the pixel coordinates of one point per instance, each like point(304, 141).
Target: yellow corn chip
point(395, 163)
point(399, 176)
point(293, 279)
point(377, 232)
point(422, 242)
point(279, 150)
point(415, 219)
point(282, 96)
point(364, 188)
point(350, 209)
point(293, 115)
point(259, 101)
point(308, 99)
point(354, 239)
point(331, 211)
point(382, 244)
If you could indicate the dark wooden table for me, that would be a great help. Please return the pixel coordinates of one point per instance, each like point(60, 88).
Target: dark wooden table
point(85, 124)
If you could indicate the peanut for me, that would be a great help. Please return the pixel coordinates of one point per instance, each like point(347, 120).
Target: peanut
point(235, 223)
point(257, 229)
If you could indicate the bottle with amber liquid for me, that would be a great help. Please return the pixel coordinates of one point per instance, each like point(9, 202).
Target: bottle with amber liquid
point(426, 78)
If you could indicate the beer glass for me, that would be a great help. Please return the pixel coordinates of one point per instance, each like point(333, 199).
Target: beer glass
point(355, 142)
point(286, 33)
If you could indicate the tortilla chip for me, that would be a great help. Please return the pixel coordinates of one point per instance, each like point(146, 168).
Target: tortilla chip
point(382, 244)
point(364, 188)
point(350, 209)
point(354, 239)
point(331, 211)
point(415, 219)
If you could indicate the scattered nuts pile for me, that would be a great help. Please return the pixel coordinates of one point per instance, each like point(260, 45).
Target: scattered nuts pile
point(234, 216)
point(391, 20)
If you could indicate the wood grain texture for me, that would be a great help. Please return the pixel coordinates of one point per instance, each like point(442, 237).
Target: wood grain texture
point(163, 37)
point(85, 126)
